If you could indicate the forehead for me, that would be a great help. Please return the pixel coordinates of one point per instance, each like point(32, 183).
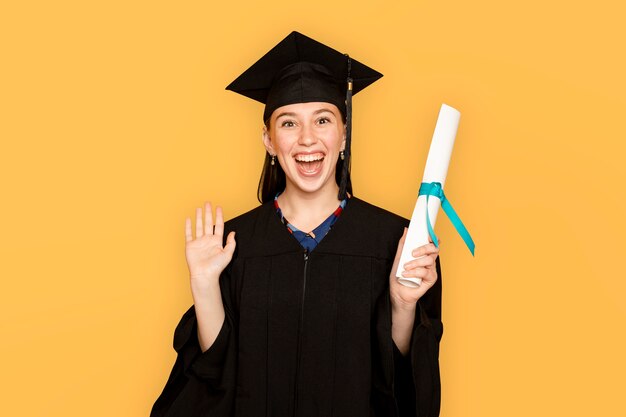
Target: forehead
point(305, 109)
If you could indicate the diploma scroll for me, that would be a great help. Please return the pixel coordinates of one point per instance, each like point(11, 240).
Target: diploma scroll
point(435, 172)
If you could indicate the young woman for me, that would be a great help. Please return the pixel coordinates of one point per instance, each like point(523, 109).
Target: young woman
point(298, 311)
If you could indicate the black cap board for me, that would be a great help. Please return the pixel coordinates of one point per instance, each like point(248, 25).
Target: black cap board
point(300, 70)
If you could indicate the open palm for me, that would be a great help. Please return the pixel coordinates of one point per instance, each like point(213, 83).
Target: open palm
point(206, 257)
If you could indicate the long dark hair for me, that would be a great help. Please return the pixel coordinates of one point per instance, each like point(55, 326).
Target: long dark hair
point(273, 177)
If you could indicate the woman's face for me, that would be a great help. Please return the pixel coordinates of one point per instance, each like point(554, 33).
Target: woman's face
point(306, 139)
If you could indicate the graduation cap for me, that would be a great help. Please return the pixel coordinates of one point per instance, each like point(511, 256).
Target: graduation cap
point(301, 70)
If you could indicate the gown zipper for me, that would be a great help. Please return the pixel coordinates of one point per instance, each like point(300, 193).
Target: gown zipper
point(300, 326)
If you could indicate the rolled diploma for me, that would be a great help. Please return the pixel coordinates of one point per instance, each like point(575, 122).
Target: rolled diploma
point(435, 171)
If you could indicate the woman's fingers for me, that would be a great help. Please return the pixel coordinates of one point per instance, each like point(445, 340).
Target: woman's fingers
point(425, 255)
point(219, 221)
point(422, 262)
point(427, 249)
point(230, 244)
point(205, 227)
point(208, 218)
point(415, 273)
point(198, 222)
point(188, 236)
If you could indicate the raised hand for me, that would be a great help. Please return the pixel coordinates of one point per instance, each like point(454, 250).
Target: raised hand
point(206, 257)
point(422, 266)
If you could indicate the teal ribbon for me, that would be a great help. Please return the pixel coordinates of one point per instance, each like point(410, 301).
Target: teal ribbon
point(436, 190)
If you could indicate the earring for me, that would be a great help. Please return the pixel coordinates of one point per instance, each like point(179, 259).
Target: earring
point(342, 155)
point(273, 160)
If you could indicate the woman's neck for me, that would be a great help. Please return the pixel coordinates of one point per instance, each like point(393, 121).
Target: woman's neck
point(306, 211)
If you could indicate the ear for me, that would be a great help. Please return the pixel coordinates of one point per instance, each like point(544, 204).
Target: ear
point(267, 142)
point(343, 142)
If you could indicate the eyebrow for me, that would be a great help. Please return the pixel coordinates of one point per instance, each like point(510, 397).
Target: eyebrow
point(322, 111)
point(285, 114)
point(292, 114)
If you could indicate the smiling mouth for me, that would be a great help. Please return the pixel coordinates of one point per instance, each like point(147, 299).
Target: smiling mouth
point(310, 163)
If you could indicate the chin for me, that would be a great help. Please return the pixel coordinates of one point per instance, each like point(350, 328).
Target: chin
point(313, 185)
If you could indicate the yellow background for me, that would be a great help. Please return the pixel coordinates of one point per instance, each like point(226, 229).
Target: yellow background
point(115, 125)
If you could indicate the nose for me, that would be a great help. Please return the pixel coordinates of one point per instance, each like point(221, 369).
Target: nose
point(307, 135)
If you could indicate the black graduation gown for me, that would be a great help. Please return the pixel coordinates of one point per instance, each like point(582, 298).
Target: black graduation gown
point(309, 335)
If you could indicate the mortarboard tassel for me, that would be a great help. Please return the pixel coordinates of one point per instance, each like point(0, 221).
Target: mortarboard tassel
point(345, 185)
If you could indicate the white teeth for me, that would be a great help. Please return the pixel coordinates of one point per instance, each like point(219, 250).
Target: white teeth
point(309, 158)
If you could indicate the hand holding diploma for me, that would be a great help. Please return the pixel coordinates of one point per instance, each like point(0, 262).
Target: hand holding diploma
point(431, 196)
point(422, 267)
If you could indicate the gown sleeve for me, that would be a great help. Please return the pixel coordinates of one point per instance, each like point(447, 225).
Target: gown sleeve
point(417, 385)
point(202, 383)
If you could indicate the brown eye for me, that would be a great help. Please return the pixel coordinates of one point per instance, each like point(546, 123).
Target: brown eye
point(323, 120)
point(287, 123)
